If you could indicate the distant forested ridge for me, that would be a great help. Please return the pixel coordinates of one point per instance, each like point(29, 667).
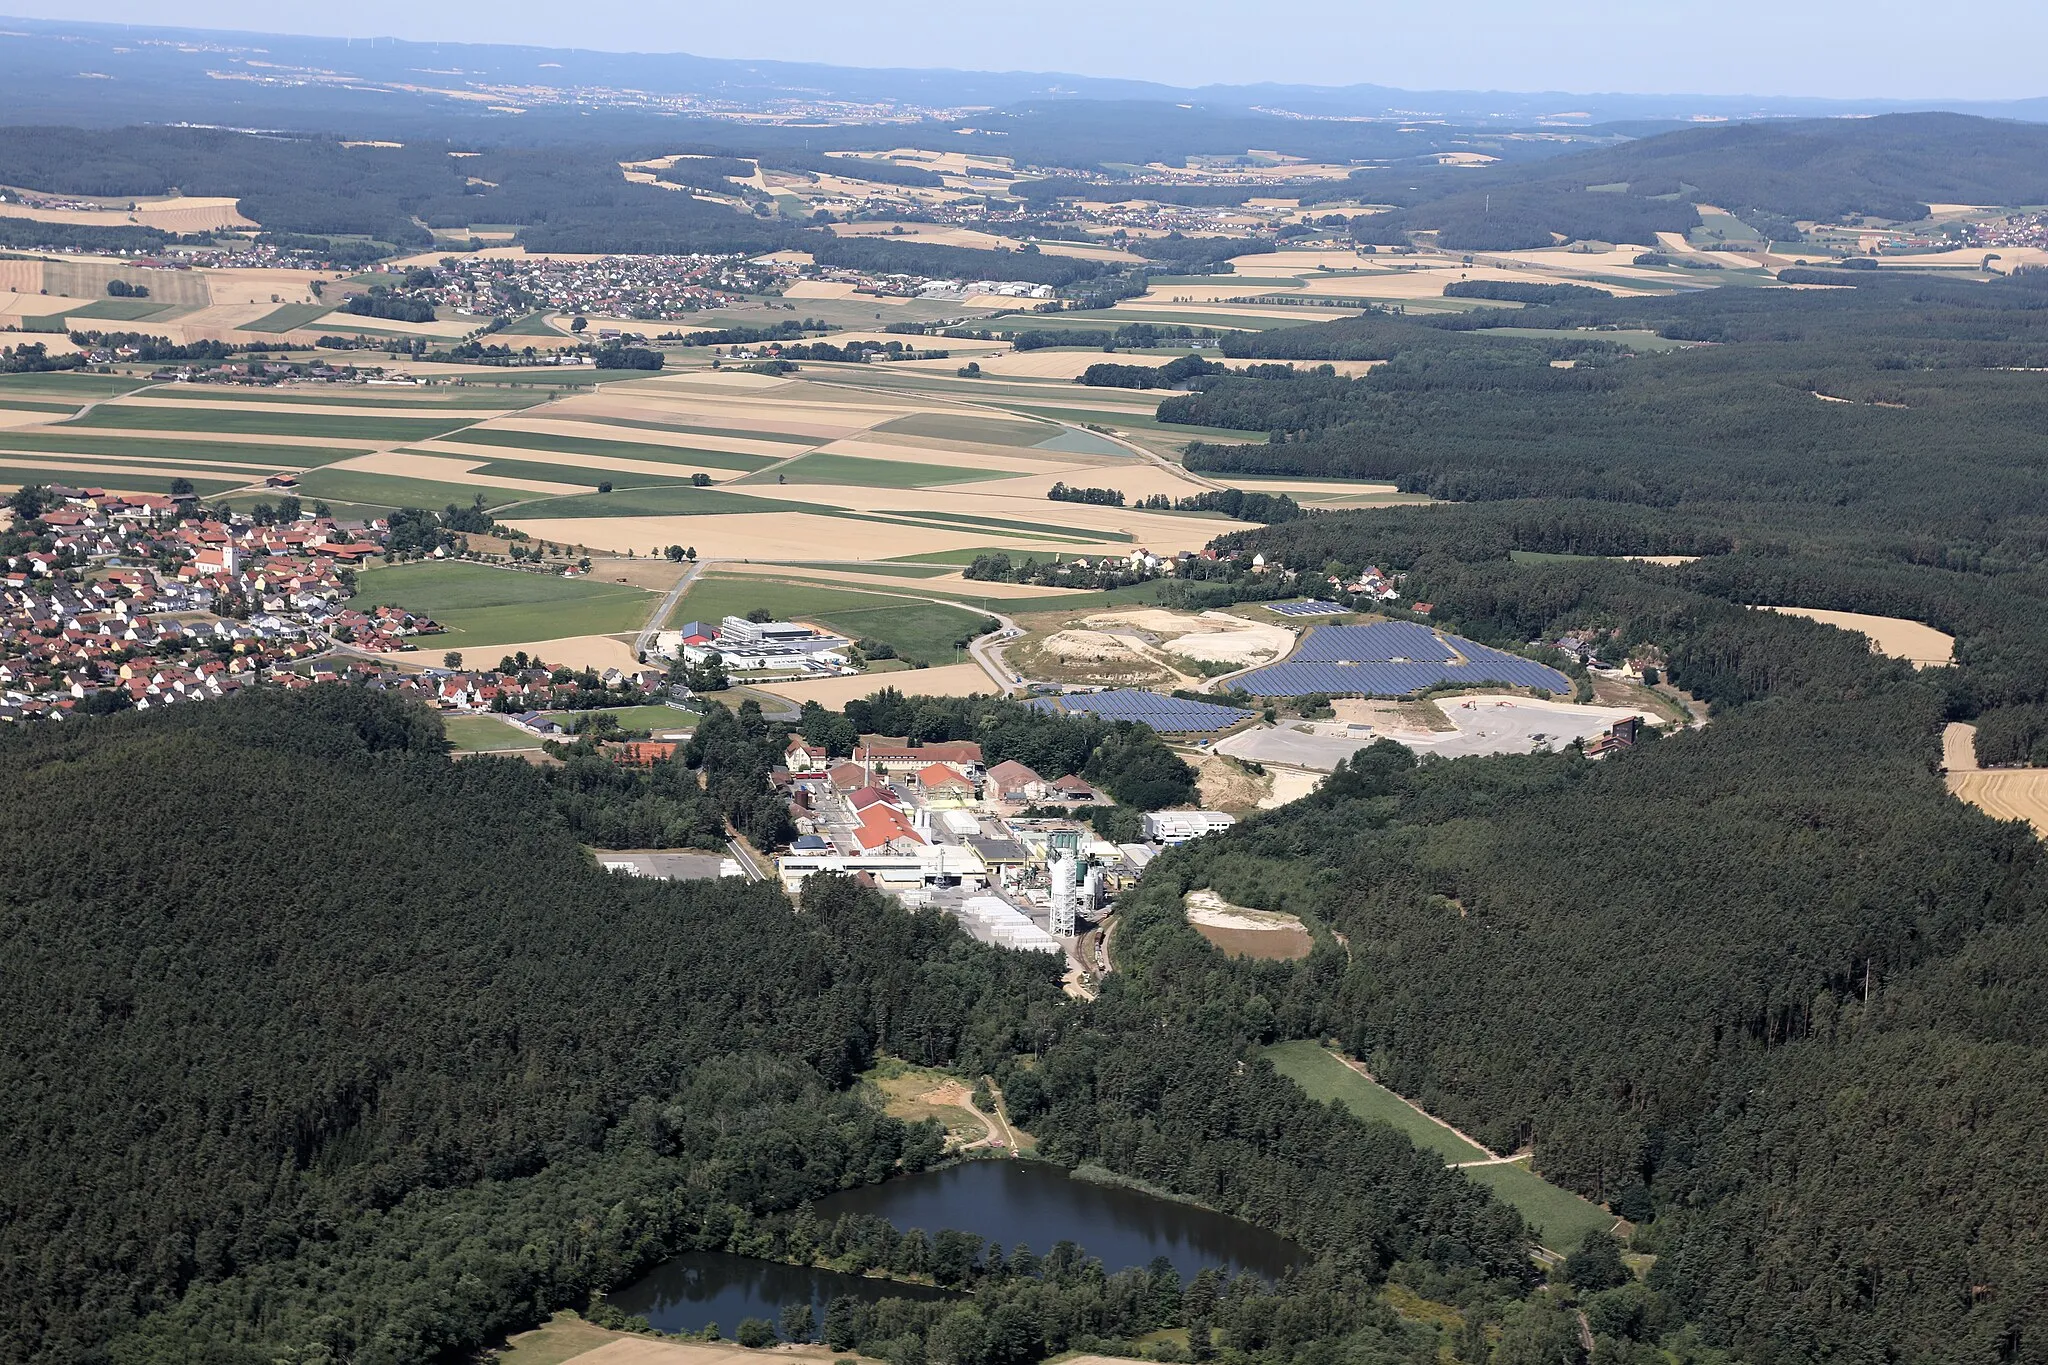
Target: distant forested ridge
point(1770, 173)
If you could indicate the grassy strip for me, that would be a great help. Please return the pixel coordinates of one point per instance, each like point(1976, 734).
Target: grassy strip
point(68, 382)
point(864, 471)
point(1561, 1218)
point(1078, 533)
point(13, 404)
point(227, 421)
point(691, 429)
point(385, 400)
point(1326, 1078)
point(176, 452)
point(118, 310)
point(615, 450)
point(290, 316)
point(665, 500)
point(589, 478)
point(121, 483)
point(532, 325)
point(390, 490)
point(946, 426)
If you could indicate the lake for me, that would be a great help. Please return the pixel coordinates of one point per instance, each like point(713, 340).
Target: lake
point(1004, 1201)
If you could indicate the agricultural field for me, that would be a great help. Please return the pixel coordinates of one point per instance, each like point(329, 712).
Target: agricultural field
point(485, 608)
point(1561, 1218)
point(2001, 793)
point(1921, 645)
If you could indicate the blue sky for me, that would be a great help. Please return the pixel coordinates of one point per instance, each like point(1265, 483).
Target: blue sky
point(1867, 49)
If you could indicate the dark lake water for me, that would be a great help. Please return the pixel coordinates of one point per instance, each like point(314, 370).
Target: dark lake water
point(1004, 1201)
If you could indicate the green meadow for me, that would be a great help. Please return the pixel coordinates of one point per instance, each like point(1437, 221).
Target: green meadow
point(1561, 1219)
point(485, 607)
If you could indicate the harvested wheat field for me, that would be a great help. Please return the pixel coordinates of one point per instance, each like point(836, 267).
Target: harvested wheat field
point(1046, 364)
point(1265, 934)
point(1891, 636)
point(2001, 793)
point(947, 680)
point(575, 651)
point(793, 535)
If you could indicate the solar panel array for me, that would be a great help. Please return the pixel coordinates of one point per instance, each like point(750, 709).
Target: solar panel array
point(1169, 715)
point(1393, 659)
point(1314, 608)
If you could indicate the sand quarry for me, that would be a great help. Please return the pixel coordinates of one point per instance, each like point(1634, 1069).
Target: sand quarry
point(1143, 635)
point(1241, 932)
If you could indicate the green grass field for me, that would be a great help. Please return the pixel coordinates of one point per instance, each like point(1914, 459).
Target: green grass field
point(661, 500)
point(484, 607)
point(920, 631)
point(228, 421)
point(1561, 1218)
point(532, 325)
point(284, 319)
point(389, 490)
point(693, 429)
point(658, 719)
point(951, 520)
point(612, 450)
point(397, 402)
point(486, 735)
point(861, 471)
point(70, 383)
point(990, 431)
point(121, 483)
point(589, 478)
point(174, 451)
point(1325, 1078)
point(49, 405)
point(119, 310)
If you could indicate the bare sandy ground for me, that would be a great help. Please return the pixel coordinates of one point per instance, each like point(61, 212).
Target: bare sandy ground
point(575, 651)
point(443, 470)
point(1668, 561)
point(819, 289)
point(948, 680)
point(1289, 784)
point(1923, 646)
point(33, 305)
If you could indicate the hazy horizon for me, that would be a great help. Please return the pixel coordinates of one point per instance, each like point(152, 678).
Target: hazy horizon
point(1875, 50)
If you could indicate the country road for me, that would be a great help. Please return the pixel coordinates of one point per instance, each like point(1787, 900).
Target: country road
point(645, 639)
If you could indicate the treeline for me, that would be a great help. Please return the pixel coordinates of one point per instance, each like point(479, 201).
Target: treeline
point(1172, 374)
point(381, 302)
point(1521, 291)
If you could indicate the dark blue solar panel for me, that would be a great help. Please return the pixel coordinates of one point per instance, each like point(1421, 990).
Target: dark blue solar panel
point(1312, 608)
point(1170, 714)
point(1393, 658)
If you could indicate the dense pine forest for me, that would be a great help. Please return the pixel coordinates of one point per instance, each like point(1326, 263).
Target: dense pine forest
point(1763, 986)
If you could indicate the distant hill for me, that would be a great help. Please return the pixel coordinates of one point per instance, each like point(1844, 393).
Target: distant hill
point(1891, 167)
